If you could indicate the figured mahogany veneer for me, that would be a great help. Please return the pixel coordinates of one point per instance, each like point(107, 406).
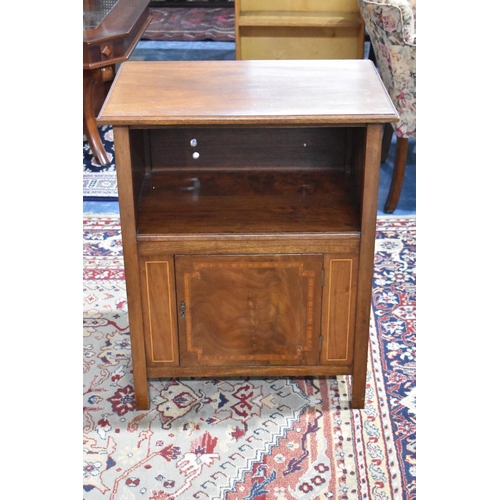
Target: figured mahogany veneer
point(249, 310)
point(248, 199)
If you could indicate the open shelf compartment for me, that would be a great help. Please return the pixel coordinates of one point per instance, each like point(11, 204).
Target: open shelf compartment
point(247, 203)
point(249, 181)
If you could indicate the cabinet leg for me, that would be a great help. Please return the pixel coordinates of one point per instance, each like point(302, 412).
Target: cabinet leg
point(141, 388)
point(360, 369)
point(358, 403)
point(358, 391)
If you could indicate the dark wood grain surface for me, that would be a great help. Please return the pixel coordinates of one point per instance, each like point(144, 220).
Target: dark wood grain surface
point(249, 310)
point(255, 255)
point(126, 21)
point(252, 148)
point(247, 92)
point(246, 202)
point(104, 45)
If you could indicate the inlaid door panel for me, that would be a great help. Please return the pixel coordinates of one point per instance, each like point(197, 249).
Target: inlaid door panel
point(339, 300)
point(248, 310)
point(159, 306)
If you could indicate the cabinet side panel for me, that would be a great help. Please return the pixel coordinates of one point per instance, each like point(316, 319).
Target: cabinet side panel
point(159, 305)
point(339, 309)
point(139, 161)
point(367, 246)
point(355, 157)
point(128, 198)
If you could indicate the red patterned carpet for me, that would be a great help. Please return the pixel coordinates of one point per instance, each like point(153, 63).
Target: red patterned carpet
point(249, 439)
point(191, 24)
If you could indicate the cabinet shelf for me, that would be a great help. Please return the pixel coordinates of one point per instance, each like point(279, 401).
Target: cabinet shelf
point(300, 19)
point(251, 203)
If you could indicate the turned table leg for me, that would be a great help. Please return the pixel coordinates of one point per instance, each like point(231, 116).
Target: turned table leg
point(90, 78)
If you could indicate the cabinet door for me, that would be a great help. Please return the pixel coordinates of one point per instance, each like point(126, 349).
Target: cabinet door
point(248, 310)
point(339, 304)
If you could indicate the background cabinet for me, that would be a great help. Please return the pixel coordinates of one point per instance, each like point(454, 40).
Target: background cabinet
point(298, 29)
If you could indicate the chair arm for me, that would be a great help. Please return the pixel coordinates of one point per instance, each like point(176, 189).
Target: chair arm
point(396, 17)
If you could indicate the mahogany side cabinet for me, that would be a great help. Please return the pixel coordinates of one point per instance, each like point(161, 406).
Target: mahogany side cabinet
point(248, 200)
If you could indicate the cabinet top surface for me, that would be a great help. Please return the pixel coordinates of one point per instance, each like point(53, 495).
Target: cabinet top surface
point(247, 93)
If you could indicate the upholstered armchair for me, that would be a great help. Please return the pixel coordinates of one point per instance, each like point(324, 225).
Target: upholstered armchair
point(391, 26)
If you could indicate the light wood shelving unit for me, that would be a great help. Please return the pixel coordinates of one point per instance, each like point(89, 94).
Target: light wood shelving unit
point(298, 29)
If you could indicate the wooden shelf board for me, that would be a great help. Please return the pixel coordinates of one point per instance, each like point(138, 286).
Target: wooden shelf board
point(246, 203)
point(300, 19)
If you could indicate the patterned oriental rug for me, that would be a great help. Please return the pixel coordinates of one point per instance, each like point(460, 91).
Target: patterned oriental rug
point(191, 24)
point(99, 182)
point(249, 438)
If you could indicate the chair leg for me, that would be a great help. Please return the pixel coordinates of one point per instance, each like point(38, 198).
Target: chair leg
point(397, 175)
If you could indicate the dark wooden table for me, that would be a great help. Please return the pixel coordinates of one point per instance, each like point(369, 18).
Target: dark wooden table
point(111, 30)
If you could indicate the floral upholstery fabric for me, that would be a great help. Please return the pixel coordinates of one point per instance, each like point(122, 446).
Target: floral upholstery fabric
point(391, 25)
